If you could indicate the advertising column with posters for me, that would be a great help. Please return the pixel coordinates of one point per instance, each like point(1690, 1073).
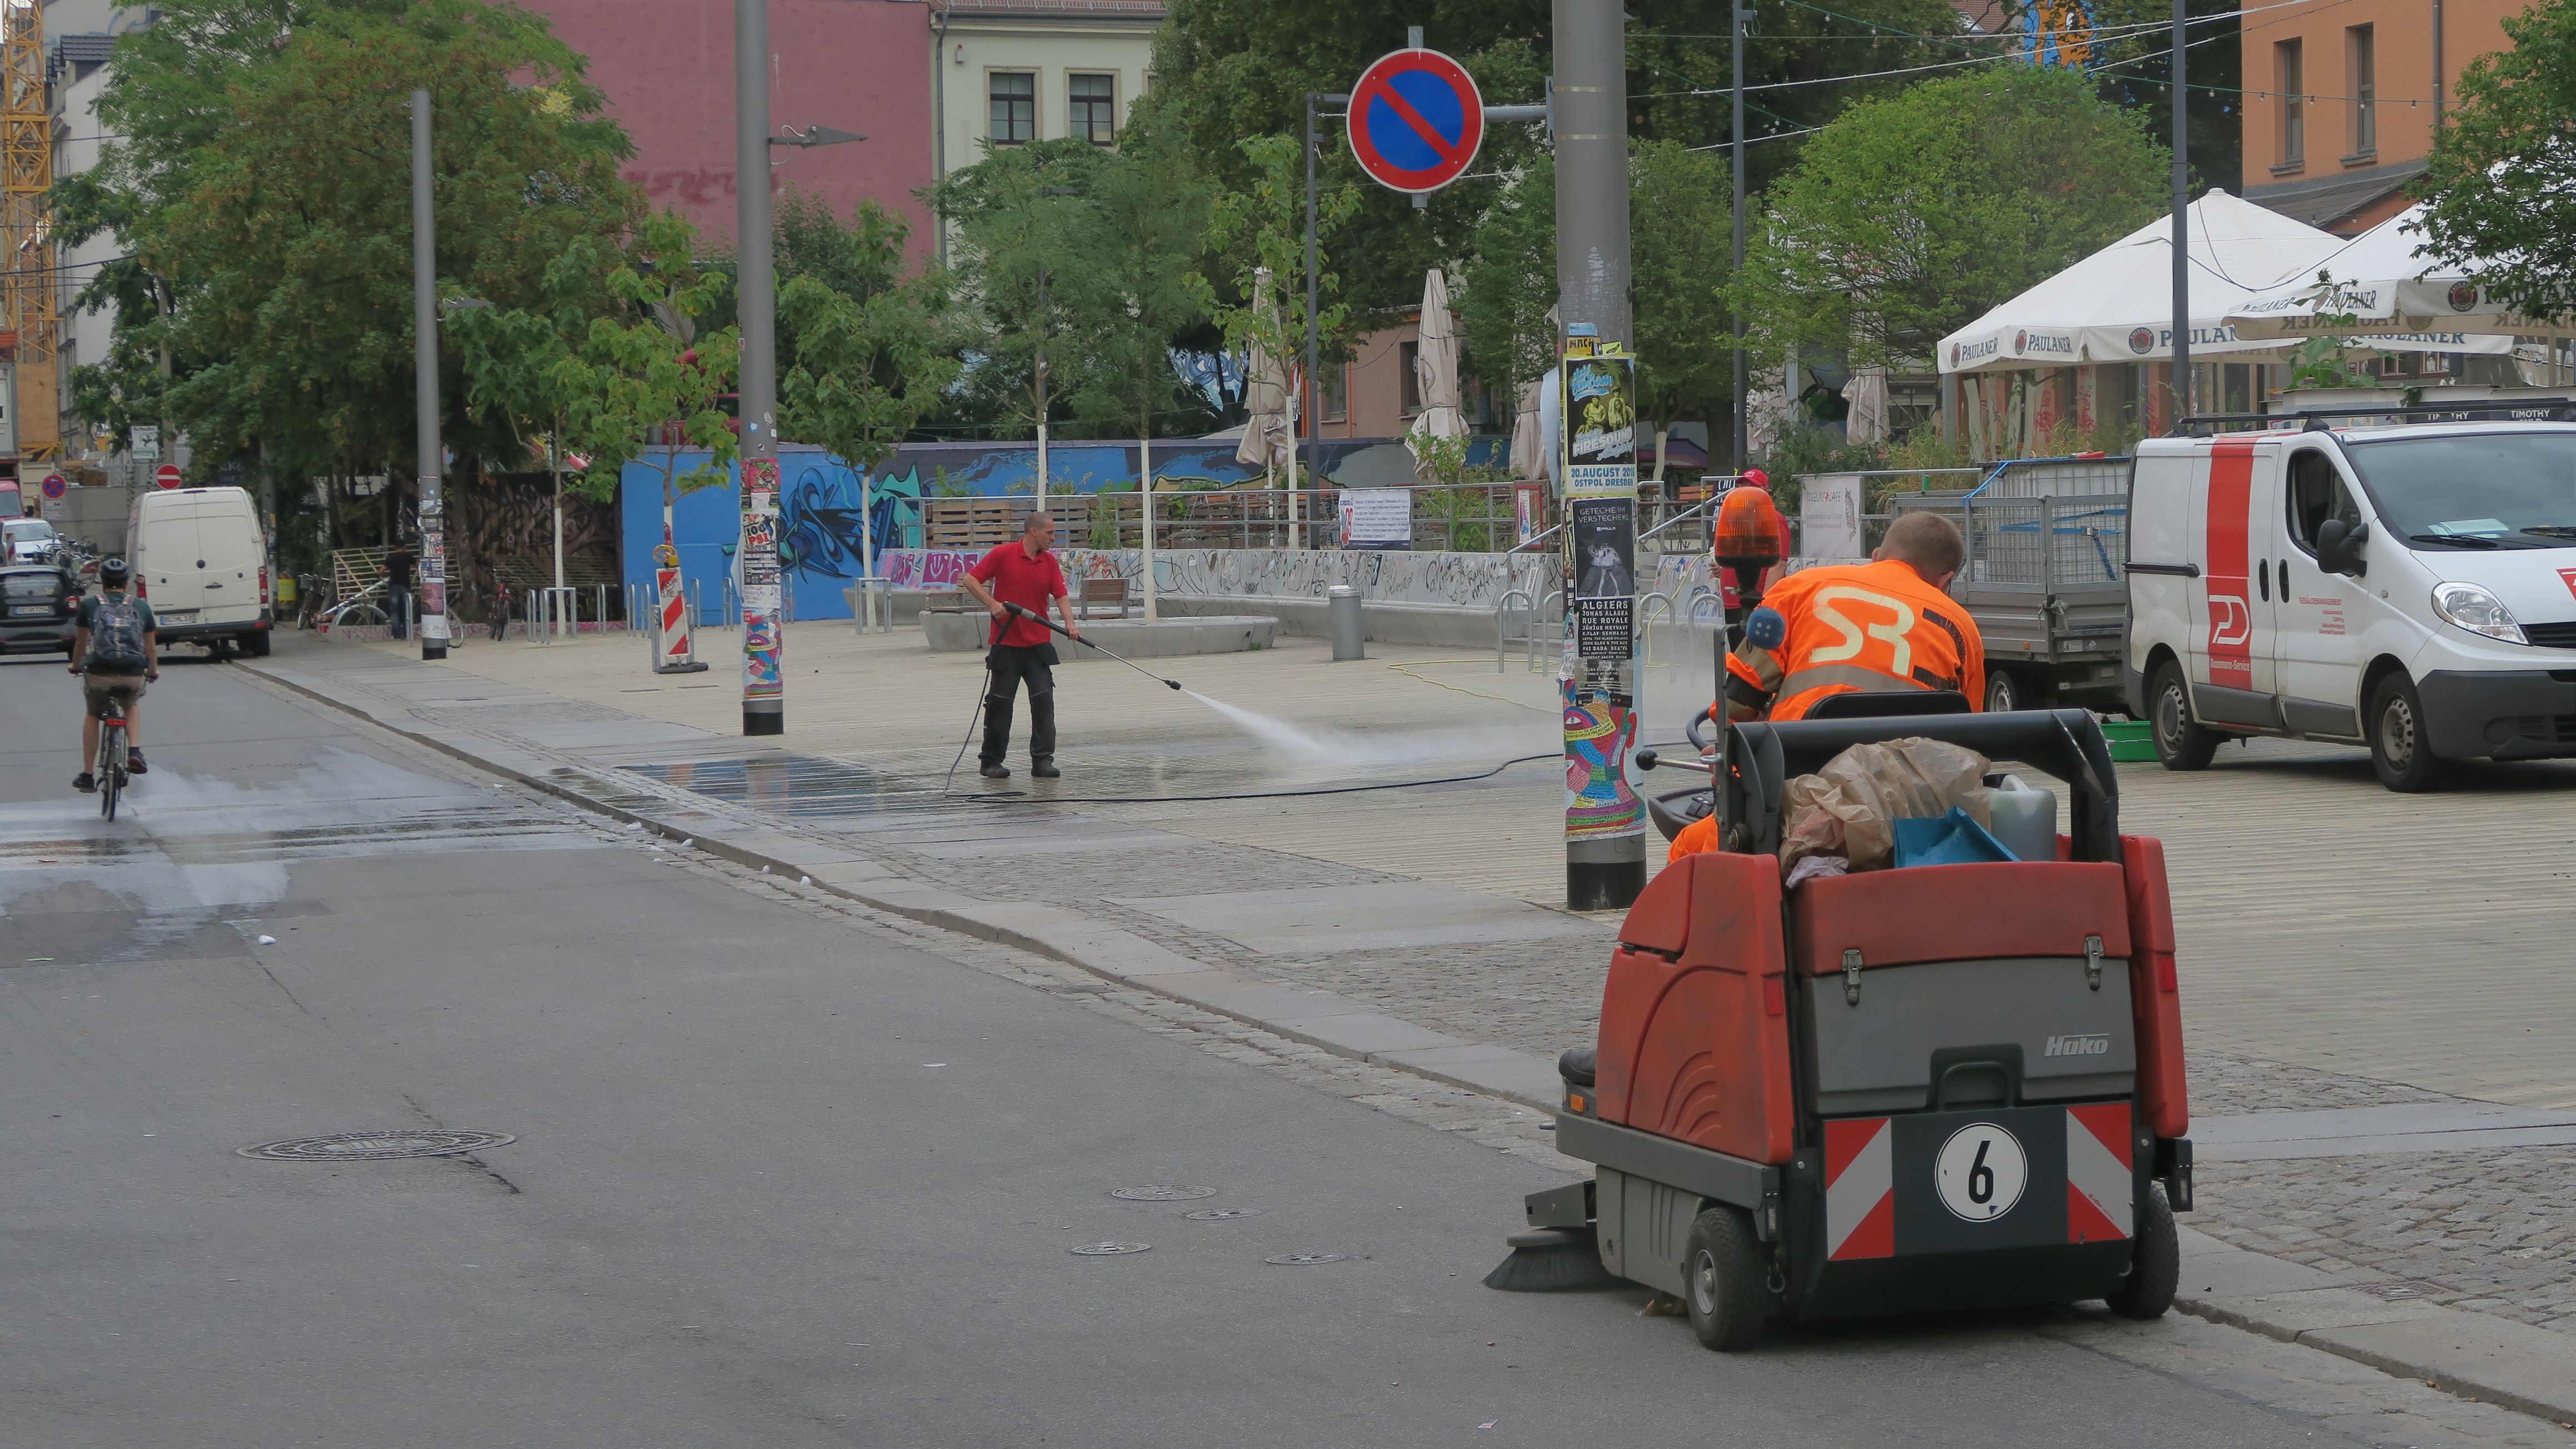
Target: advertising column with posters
point(1605, 821)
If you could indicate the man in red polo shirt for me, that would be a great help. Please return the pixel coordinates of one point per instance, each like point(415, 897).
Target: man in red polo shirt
point(1023, 573)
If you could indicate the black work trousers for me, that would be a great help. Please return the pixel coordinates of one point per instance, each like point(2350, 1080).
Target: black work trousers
point(1004, 668)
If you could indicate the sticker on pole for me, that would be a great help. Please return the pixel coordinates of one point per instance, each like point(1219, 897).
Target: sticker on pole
point(1981, 1172)
point(1416, 120)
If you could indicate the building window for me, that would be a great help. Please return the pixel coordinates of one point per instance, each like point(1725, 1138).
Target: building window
point(2361, 51)
point(1015, 107)
point(2290, 67)
point(1408, 362)
point(1091, 103)
point(1336, 377)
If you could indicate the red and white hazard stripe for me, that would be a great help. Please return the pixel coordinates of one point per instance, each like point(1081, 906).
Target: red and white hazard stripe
point(1860, 1189)
point(2099, 1182)
point(674, 631)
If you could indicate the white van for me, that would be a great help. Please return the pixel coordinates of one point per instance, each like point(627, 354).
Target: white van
point(2407, 588)
point(201, 561)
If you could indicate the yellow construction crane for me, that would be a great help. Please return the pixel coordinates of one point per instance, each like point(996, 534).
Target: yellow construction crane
point(28, 296)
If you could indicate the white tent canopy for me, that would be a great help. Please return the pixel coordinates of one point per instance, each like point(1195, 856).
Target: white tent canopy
point(2385, 280)
point(2116, 306)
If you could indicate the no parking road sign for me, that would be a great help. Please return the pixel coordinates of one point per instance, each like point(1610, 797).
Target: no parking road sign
point(54, 485)
point(1416, 120)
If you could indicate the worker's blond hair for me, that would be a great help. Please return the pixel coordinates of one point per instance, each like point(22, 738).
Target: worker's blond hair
point(1928, 542)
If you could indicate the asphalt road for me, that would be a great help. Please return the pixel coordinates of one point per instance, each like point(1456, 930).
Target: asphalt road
point(782, 1180)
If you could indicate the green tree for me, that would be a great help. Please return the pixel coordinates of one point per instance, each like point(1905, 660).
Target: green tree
point(1140, 227)
point(1265, 227)
point(862, 350)
point(1020, 230)
point(2502, 179)
point(1908, 217)
point(650, 378)
point(1225, 70)
point(265, 179)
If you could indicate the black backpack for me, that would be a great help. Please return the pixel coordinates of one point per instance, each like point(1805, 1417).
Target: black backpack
point(116, 635)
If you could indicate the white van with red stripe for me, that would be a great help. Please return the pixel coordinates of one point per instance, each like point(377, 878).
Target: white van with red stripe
point(2411, 589)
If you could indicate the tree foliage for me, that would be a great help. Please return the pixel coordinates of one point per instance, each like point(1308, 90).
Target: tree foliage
point(265, 182)
point(2502, 179)
point(1020, 229)
point(1139, 231)
point(860, 348)
point(1265, 228)
point(1909, 216)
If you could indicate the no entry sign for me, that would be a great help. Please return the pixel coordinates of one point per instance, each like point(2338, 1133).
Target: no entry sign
point(167, 475)
point(1416, 120)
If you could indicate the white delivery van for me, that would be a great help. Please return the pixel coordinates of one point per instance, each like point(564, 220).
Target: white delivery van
point(201, 561)
point(2410, 588)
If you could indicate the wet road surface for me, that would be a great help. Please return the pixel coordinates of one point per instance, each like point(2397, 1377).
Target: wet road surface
point(784, 1179)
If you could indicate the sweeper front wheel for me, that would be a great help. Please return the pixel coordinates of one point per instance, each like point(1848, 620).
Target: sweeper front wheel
point(1724, 1281)
point(2155, 1263)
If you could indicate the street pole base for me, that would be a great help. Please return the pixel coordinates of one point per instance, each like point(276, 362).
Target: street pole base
point(696, 667)
point(770, 718)
point(1603, 885)
point(433, 651)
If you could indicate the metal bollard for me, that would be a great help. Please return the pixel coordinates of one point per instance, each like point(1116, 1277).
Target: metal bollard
point(1342, 604)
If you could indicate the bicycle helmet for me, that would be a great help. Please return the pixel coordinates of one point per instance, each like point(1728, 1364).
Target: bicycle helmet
point(113, 573)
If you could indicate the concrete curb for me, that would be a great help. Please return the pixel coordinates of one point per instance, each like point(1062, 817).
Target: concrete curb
point(2475, 1355)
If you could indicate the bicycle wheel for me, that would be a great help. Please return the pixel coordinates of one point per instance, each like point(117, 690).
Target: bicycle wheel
point(111, 767)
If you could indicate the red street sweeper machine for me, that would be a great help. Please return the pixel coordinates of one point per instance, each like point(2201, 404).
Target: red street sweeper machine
point(1929, 1087)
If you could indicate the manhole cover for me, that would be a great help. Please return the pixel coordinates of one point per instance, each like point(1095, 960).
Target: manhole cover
point(1107, 1250)
point(374, 1146)
point(1161, 1192)
point(1218, 1215)
point(1306, 1260)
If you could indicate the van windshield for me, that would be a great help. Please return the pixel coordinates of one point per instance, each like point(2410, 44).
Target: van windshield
point(2474, 491)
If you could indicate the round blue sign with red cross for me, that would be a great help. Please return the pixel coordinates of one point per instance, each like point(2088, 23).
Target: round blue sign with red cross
point(1416, 120)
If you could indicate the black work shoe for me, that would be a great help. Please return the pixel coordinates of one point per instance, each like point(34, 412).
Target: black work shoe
point(134, 763)
point(1045, 770)
point(995, 772)
point(85, 783)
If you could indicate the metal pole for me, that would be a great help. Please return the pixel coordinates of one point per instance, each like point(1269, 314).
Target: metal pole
point(764, 700)
point(1605, 845)
point(1311, 396)
point(1042, 392)
point(1735, 143)
point(2181, 363)
point(424, 324)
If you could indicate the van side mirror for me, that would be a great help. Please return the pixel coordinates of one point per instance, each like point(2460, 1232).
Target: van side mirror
point(2339, 547)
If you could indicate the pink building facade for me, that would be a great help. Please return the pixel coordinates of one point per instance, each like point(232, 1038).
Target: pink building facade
point(857, 65)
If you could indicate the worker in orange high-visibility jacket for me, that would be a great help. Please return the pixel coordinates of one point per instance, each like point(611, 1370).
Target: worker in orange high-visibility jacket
point(1885, 625)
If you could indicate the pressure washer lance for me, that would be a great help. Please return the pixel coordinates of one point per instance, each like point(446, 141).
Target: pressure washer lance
point(1034, 616)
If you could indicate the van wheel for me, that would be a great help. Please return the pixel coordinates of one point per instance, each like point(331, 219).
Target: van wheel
point(2004, 694)
point(2400, 749)
point(2182, 743)
point(1725, 1281)
point(255, 645)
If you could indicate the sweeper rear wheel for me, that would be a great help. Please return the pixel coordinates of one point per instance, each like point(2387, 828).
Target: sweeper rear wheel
point(1723, 1281)
point(2155, 1264)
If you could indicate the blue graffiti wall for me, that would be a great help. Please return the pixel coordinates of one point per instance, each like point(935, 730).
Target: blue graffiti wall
point(819, 506)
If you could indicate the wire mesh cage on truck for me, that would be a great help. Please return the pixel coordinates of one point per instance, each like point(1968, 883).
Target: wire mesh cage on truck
point(2045, 576)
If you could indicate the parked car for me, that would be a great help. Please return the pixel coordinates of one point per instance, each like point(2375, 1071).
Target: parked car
point(30, 540)
point(2411, 588)
point(201, 560)
point(37, 603)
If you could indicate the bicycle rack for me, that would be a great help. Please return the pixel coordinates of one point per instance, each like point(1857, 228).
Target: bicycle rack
point(1502, 628)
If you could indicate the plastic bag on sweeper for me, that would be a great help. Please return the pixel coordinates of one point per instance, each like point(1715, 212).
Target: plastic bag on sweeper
point(1850, 808)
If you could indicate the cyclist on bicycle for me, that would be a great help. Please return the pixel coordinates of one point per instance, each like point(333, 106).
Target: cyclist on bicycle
point(116, 650)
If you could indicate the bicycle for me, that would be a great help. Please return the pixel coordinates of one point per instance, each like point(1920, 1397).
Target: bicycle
point(111, 756)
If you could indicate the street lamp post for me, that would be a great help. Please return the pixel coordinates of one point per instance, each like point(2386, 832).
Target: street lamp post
point(424, 319)
point(2181, 364)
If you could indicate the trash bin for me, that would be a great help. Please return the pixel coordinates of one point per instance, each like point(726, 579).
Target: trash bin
point(1342, 603)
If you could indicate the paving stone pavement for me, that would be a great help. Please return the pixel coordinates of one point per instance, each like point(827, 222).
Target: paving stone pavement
point(2311, 906)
